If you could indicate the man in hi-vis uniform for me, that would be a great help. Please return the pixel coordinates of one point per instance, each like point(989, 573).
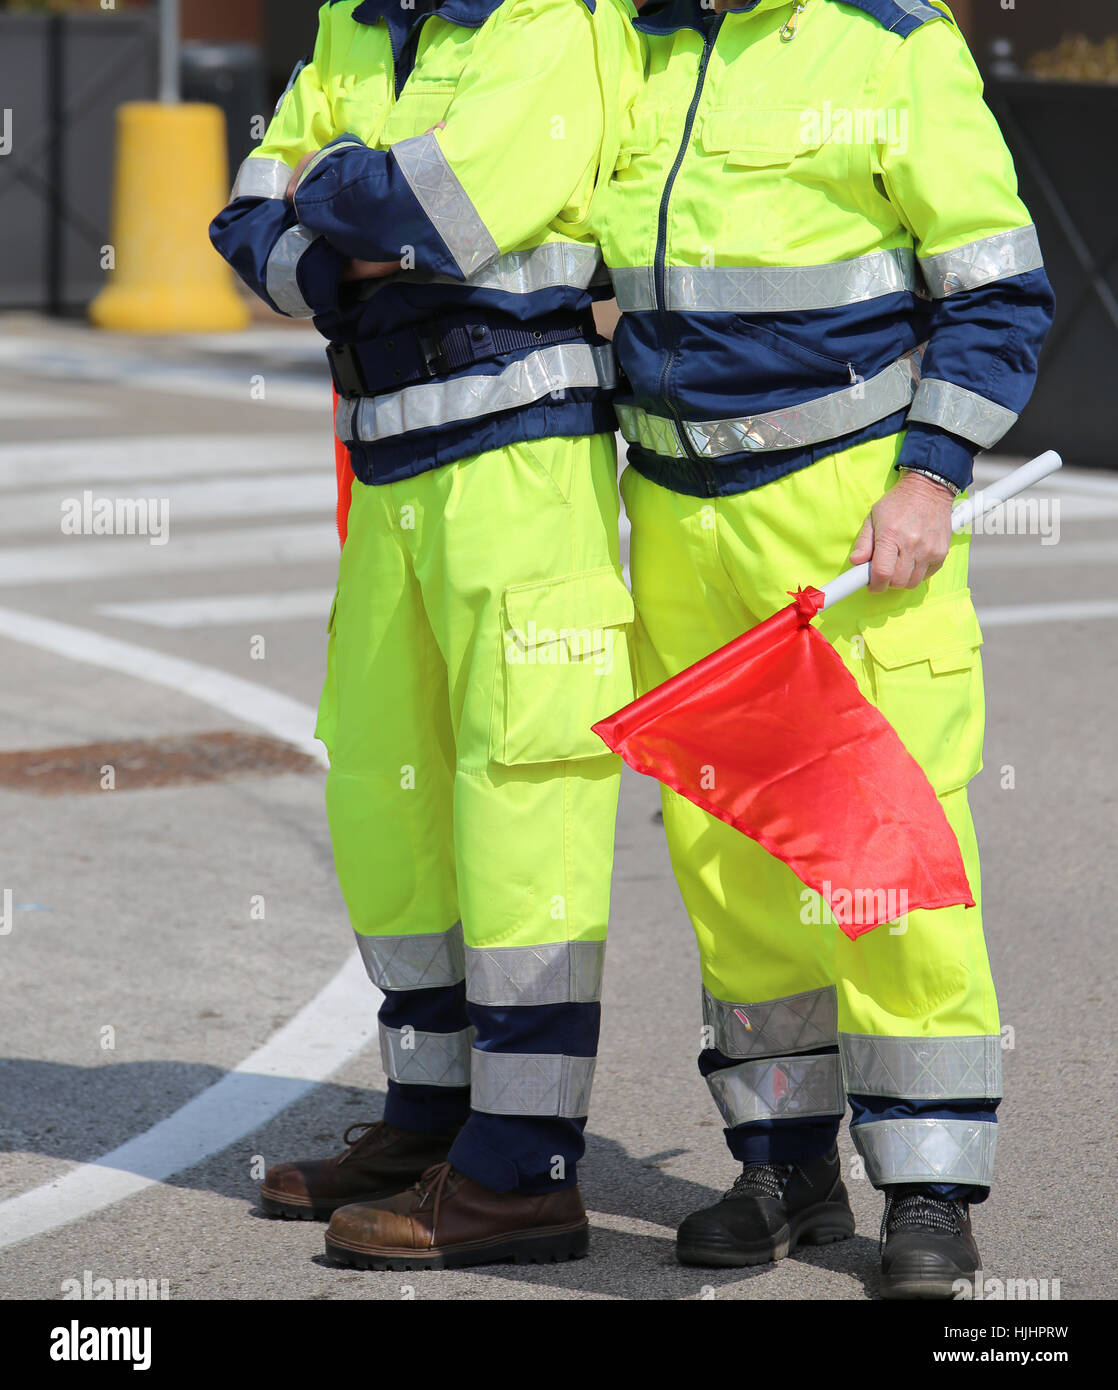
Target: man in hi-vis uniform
point(424, 192)
point(832, 297)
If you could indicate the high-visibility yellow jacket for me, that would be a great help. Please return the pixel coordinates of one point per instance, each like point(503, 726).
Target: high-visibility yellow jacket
point(815, 238)
point(484, 338)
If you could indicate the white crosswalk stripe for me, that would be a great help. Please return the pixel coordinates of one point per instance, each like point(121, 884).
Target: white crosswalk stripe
point(999, 553)
point(220, 610)
point(21, 406)
point(1075, 611)
point(145, 457)
point(301, 494)
point(99, 557)
point(283, 388)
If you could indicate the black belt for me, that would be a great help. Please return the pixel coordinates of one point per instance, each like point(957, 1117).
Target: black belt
point(427, 350)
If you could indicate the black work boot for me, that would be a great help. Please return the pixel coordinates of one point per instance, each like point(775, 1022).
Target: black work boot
point(772, 1208)
point(379, 1161)
point(926, 1245)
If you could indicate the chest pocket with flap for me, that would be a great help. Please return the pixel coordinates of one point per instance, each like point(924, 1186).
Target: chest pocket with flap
point(418, 109)
point(787, 139)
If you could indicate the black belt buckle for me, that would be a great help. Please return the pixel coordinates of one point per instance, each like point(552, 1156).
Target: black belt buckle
point(345, 368)
point(434, 353)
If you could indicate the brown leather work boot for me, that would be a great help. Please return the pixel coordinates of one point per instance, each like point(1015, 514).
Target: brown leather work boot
point(378, 1162)
point(447, 1221)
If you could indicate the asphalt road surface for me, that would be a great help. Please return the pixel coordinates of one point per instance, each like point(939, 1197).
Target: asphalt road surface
point(182, 1003)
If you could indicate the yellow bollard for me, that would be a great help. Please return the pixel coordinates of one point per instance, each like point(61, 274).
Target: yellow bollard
point(171, 180)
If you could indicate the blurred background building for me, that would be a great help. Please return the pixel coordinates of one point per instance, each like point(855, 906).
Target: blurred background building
point(66, 65)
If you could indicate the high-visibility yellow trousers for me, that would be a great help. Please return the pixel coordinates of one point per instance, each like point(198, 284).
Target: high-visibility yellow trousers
point(798, 1019)
point(481, 626)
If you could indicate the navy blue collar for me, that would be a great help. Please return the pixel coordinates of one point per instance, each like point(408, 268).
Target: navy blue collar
point(470, 14)
point(666, 16)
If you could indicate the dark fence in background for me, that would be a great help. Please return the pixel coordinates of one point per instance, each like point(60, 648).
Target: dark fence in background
point(1056, 131)
point(229, 75)
point(62, 78)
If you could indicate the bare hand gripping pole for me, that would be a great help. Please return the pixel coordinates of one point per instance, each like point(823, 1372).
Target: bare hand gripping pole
point(961, 517)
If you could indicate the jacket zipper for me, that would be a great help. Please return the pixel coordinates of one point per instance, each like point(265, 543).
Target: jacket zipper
point(660, 273)
point(412, 42)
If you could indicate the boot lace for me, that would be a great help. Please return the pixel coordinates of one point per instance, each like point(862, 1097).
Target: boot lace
point(364, 1131)
point(916, 1211)
point(761, 1179)
point(433, 1183)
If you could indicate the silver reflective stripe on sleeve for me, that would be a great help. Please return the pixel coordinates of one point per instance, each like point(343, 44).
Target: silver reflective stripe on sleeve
point(261, 178)
point(768, 289)
point(444, 200)
point(542, 268)
point(541, 373)
point(812, 422)
point(922, 1068)
point(553, 266)
point(927, 1150)
point(982, 262)
point(510, 1083)
point(568, 972)
point(426, 961)
point(776, 1026)
point(280, 277)
point(789, 1086)
point(960, 411)
point(426, 1059)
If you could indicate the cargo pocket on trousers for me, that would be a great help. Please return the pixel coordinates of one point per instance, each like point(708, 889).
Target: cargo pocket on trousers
point(926, 675)
point(564, 665)
point(327, 721)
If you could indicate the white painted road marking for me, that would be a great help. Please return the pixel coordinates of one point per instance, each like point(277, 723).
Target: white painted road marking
point(1077, 610)
point(1003, 553)
point(221, 380)
point(278, 715)
point(305, 495)
point(1066, 480)
point(338, 1022)
point(220, 610)
point(21, 406)
point(74, 461)
point(98, 557)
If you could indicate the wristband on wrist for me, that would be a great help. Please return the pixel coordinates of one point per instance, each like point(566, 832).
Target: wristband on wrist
point(953, 488)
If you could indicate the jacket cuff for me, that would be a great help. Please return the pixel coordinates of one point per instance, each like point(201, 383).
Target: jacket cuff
point(341, 142)
point(933, 449)
point(319, 276)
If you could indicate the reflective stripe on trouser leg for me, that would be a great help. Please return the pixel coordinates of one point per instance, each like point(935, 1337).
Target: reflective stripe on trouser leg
point(803, 1093)
point(801, 1022)
point(924, 1108)
point(544, 1084)
point(922, 1068)
point(426, 1059)
point(927, 1151)
point(778, 1088)
point(421, 960)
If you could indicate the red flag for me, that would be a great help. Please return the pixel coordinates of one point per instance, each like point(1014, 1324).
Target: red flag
point(772, 735)
point(345, 480)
